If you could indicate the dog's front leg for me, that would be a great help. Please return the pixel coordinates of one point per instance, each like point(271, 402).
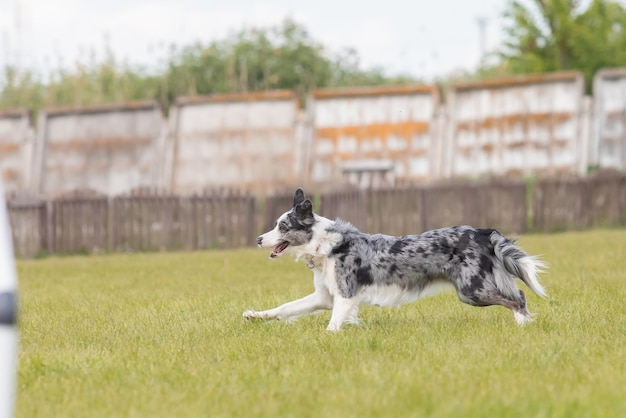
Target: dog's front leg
point(311, 303)
point(342, 310)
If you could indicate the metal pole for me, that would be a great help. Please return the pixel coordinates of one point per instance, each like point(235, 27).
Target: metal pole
point(8, 315)
point(481, 21)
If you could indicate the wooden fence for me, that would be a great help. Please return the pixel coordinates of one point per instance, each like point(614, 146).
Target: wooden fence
point(144, 220)
point(153, 220)
point(29, 225)
point(564, 204)
point(411, 209)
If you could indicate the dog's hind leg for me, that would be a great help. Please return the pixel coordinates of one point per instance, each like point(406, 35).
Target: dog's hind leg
point(343, 309)
point(492, 296)
point(521, 313)
point(517, 305)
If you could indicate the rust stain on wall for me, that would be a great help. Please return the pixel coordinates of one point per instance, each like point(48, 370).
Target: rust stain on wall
point(78, 144)
point(10, 174)
point(375, 130)
point(6, 149)
point(399, 155)
point(552, 118)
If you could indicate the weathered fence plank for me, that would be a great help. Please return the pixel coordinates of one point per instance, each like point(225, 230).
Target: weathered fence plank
point(275, 205)
point(147, 220)
point(605, 200)
point(503, 205)
point(570, 203)
point(80, 222)
point(222, 219)
point(559, 205)
point(28, 219)
point(395, 211)
point(446, 205)
point(349, 205)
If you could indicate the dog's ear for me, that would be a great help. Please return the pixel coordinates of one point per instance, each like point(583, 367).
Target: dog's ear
point(298, 197)
point(304, 212)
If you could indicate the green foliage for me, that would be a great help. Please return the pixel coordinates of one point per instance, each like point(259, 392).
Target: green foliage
point(554, 35)
point(90, 83)
point(161, 335)
point(21, 90)
point(541, 36)
point(281, 57)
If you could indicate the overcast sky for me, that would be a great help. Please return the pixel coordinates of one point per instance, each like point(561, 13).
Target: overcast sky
point(420, 38)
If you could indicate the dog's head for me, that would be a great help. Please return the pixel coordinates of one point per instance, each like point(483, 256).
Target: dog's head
point(293, 228)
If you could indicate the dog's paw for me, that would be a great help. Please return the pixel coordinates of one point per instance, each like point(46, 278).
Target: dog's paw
point(524, 318)
point(333, 328)
point(251, 315)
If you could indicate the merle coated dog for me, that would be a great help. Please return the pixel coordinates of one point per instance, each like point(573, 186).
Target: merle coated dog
point(352, 268)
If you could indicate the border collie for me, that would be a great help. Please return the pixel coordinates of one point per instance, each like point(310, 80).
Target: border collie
point(352, 268)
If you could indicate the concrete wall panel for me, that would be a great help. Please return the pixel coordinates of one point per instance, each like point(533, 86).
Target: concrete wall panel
point(111, 149)
point(242, 140)
point(376, 131)
point(609, 130)
point(521, 125)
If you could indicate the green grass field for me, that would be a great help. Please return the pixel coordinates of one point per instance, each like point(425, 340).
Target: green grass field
point(161, 335)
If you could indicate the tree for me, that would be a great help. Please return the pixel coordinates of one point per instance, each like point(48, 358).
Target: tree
point(601, 39)
point(282, 57)
point(553, 35)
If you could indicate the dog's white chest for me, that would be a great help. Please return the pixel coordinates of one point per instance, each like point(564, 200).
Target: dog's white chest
point(324, 276)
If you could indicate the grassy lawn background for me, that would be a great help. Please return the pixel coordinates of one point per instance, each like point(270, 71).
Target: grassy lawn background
point(161, 335)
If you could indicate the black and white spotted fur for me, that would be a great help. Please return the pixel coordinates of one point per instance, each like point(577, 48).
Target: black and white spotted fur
point(352, 268)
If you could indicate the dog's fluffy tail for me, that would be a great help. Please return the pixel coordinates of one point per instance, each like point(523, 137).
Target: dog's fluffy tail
point(518, 263)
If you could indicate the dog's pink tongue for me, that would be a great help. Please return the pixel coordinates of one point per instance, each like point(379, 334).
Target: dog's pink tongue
point(278, 249)
point(275, 253)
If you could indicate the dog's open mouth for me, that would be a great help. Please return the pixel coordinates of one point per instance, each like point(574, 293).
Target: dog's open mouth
point(279, 249)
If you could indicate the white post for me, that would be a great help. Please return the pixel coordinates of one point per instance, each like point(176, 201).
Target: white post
point(8, 315)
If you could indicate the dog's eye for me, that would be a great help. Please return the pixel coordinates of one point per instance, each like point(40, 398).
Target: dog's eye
point(283, 227)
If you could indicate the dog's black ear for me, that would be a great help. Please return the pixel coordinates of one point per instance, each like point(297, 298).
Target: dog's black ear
point(298, 197)
point(304, 212)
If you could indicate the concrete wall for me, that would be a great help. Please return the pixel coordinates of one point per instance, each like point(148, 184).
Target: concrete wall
point(389, 130)
point(541, 124)
point(16, 148)
point(242, 140)
point(111, 149)
point(609, 128)
point(522, 125)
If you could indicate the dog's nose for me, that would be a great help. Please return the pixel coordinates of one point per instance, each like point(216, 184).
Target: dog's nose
point(259, 240)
